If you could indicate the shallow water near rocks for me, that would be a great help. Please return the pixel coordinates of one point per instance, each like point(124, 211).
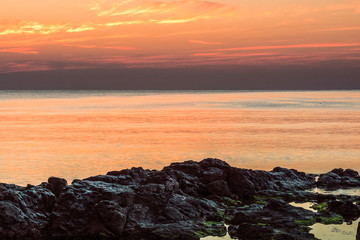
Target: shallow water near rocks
point(226, 237)
point(306, 205)
point(342, 191)
point(335, 231)
point(342, 231)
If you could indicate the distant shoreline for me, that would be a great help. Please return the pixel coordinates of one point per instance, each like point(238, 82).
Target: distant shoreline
point(246, 78)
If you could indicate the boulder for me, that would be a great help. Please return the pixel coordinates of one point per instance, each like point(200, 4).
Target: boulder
point(338, 178)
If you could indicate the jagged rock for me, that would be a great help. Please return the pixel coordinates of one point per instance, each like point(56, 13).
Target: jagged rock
point(277, 216)
point(185, 200)
point(345, 208)
point(220, 188)
point(338, 178)
point(56, 185)
point(24, 212)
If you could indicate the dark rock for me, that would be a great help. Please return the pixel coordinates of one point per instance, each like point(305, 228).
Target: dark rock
point(172, 214)
point(351, 173)
point(338, 178)
point(338, 171)
point(250, 231)
point(272, 220)
point(220, 188)
point(24, 212)
point(56, 185)
point(345, 208)
point(185, 200)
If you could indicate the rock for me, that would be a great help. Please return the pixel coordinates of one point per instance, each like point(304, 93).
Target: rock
point(56, 185)
point(220, 188)
point(113, 216)
point(172, 214)
point(186, 200)
point(338, 178)
point(358, 232)
point(351, 173)
point(345, 208)
point(91, 209)
point(24, 212)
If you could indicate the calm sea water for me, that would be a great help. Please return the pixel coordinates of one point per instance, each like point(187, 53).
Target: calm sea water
point(76, 134)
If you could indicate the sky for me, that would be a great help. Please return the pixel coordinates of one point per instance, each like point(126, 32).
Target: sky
point(43, 35)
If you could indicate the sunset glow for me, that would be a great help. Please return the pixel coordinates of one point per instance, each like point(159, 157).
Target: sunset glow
point(141, 33)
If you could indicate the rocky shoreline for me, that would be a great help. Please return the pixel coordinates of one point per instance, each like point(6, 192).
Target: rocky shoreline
point(188, 200)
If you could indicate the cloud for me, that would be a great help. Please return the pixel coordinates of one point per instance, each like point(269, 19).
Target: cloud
point(309, 45)
point(120, 47)
point(161, 12)
point(296, 9)
point(184, 20)
point(20, 50)
point(123, 23)
point(141, 7)
point(338, 29)
point(204, 42)
point(21, 65)
point(24, 27)
point(234, 54)
point(33, 28)
point(81, 28)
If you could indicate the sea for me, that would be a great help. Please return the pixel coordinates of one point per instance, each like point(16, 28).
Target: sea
point(77, 134)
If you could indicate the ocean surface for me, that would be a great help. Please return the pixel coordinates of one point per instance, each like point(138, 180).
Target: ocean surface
point(77, 134)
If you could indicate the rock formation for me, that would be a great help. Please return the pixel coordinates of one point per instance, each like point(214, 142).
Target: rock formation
point(186, 200)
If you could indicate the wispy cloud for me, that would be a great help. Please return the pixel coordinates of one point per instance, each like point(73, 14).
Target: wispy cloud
point(217, 54)
point(141, 7)
point(32, 28)
point(119, 47)
point(81, 28)
point(17, 66)
point(122, 23)
point(184, 20)
point(20, 50)
point(126, 48)
point(309, 45)
point(204, 42)
point(111, 10)
point(160, 12)
point(337, 29)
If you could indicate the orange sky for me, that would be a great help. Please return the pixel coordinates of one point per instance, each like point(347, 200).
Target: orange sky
point(66, 34)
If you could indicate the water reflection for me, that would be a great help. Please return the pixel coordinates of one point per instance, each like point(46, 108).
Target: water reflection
point(305, 205)
point(79, 134)
point(226, 237)
point(335, 231)
point(342, 191)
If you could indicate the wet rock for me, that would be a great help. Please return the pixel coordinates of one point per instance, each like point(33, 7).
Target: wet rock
point(338, 178)
point(56, 185)
point(276, 217)
point(345, 208)
point(87, 208)
point(185, 200)
point(351, 173)
point(220, 188)
point(24, 212)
